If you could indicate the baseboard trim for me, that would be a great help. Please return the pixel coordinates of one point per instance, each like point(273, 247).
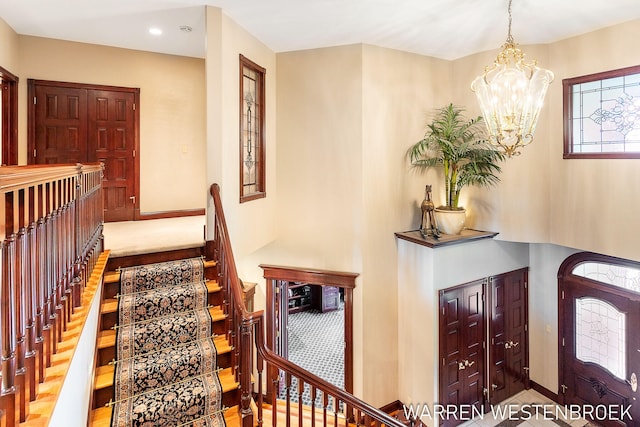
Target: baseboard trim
point(545, 391)
point(171, 214)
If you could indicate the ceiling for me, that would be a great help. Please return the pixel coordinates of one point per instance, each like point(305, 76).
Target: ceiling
point(446, 29)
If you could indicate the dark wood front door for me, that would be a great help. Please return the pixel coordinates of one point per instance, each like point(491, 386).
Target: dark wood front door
point(508, 347)
point(462, 333)
point(600, 347)
point(77, 123)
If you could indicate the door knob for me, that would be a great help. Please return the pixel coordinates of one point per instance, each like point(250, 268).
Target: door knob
point(133, 199)
point(494, 387)
point(467, 363)
point(633, 382)
point(461, 366)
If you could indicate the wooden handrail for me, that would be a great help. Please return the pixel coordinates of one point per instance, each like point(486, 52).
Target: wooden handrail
point(248, 329)
point(51, 220)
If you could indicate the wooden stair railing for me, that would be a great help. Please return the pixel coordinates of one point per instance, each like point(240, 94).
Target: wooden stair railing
point(245, 329)
point(51, 237)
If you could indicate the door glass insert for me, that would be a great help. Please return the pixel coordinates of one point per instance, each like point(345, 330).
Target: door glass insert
point(616, 275)
point(601, 335)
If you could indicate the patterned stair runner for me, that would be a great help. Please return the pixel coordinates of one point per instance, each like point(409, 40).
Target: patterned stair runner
point(166, 372)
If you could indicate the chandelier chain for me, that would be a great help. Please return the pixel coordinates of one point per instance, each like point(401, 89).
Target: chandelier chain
point(509, 36)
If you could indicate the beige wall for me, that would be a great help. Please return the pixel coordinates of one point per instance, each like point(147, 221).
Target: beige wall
point(251, 224)
point(8, 48)
point(172, 103)
point(593, 204)
point(346, 116)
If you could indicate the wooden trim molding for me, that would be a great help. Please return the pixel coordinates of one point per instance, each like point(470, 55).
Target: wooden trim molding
point(171, 214)
point(544, 391)
point(275, 274)
point(9, 117)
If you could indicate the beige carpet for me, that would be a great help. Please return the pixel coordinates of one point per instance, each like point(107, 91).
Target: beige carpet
point(154, 235)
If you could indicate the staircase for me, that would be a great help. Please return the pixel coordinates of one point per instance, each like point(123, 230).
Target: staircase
point(103, 392)
point(249, 371)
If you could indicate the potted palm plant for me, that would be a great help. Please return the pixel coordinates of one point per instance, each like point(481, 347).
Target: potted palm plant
point(458, 145)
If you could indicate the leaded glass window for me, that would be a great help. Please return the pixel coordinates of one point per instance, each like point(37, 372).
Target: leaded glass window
point(602, 115)
point(601, 335)
point(617, 275)
point(252, 151)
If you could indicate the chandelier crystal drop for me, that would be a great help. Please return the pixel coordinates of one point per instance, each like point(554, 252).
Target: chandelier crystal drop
point(511, 92)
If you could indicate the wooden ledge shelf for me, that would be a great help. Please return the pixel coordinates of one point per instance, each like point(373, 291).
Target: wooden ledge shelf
point(466, 235)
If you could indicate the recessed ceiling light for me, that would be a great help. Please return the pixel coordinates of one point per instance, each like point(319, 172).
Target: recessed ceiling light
point(186, 28)
point(155, 31)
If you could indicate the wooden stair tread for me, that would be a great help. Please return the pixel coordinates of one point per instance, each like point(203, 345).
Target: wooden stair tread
point(213, 286)
point(104, 377)
point(104, 374)
point(101, 417)
point(222, 344)
point(106, 338)
point(217, 313)
point(227, 380)
point(109, 305)
point(112, 277)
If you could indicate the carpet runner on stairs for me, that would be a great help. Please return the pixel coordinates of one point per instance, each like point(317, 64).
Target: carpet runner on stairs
point(166, 372)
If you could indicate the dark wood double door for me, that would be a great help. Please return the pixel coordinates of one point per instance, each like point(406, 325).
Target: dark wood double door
point(78, 123)
point(483, 341)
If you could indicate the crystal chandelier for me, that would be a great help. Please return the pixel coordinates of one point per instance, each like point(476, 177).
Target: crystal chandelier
point(511, 92)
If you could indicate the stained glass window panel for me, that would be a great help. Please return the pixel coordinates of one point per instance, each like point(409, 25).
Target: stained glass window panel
point(603, 117)
point(617, 275)
point(252, 162)
point(601, 335)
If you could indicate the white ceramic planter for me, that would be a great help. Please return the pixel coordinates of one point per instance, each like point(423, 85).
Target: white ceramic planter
point(450, 222)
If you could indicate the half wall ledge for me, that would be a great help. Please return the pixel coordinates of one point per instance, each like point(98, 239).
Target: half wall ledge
point(465, 235)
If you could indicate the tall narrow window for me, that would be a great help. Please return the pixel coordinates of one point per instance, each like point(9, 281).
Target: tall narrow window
point(252, 150)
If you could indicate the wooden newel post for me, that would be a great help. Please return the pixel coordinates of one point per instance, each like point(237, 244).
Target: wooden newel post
point(246, 414)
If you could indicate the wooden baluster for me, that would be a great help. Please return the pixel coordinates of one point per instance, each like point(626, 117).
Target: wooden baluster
point(336, 409)
point(275, 381)
point(22, 256)
point(245, 375)
point(59, 270)
point(80, 239)
point(300, 391)
point(51, 267)
point(42, 313)
point(325, 403)
point(314, 392)
point(260, 370)
point(63, 248)
point(287, 384)
point(7, 315)
point(32, 359)
point(42, 316)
